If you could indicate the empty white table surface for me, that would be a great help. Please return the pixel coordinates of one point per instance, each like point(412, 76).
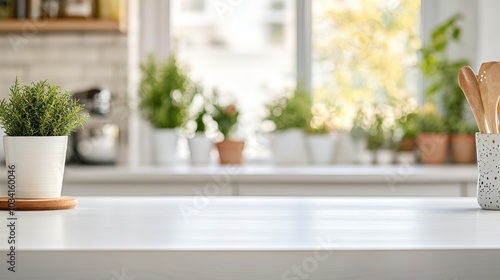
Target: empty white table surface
point(260, 238)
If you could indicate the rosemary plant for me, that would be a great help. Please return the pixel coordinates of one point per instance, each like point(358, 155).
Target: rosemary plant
point(40, 109)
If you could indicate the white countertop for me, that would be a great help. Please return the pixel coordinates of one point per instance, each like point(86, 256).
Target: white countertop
point(251, 238)
point(252, 223)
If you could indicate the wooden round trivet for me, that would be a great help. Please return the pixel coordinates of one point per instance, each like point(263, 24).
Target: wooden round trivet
point(63, 202)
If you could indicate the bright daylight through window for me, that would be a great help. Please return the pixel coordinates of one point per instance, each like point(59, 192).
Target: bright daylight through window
point(364, 52)
point(245, 49)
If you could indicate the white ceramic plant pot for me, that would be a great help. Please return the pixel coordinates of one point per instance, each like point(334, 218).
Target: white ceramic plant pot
point(488, 182)
point(406, 158)
point(289, 147)
point(320, 148)
point(385, 156)
point(2, 155)
point(364, 155)
point(346, 149)
point(38, 164)
point(165, 146)
point(200, 148)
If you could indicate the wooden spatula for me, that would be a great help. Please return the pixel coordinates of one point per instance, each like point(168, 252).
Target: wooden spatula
point(492, 82)
point(468, 83)
point(482, 78)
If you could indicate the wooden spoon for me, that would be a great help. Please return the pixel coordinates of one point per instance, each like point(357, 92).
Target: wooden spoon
point(483, 90)
point(497, 113)
point(469, 85)
point(493, 92)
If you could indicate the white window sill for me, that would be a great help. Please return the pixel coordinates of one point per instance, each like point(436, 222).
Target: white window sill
point(274, 174)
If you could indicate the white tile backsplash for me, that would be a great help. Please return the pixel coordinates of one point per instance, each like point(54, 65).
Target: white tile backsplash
point(72, 60)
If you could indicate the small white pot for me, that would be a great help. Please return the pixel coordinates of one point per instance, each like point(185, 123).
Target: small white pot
point(38, 162)
point(165, 146)
point(346, 149)
point(200, 148)
point(320, 148)
point(405, 158)
point(385, 156)
point(2, 155)
point(289, 147)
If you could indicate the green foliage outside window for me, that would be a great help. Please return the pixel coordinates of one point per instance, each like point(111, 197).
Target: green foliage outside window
point(366, 52)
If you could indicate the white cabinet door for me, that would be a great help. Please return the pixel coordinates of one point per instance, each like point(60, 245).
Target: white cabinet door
point(350, 189)
point(195, 189)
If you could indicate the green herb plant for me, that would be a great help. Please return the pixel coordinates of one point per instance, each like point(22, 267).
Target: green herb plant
point(441, 72)
point(429, 121)
point(165, 92)
point(408, 125)
point(469, 128)
point(322, 129)
point(200, 123)
point(292, 111)
point(40, 109)
point(199, 114)
point(358, 130)
point(376, 134)
point(226, 116)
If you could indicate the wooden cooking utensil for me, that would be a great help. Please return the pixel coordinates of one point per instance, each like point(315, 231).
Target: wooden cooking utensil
point(483, 90)
point(469, 85)
point(498, 116)
point(492, 82)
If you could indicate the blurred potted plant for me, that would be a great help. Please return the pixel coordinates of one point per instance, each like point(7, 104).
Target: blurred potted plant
point(200, 145)
point(463, 143)
point(380, 138)
point(441, 72)
point(320, 142)
point(165, 94)
point(351, 145)
point(375, 138)
point(432, 140)
point(407, 127)
point(37, 120)
point(226, 116)
point(291, 115)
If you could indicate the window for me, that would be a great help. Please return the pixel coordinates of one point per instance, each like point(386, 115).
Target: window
point(193, 5)
point(364, 51)
point(245, 49)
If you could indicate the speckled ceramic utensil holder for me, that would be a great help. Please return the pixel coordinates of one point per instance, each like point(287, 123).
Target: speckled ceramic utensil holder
point(488, 162)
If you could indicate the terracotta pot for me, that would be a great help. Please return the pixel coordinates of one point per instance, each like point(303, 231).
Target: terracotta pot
point(463, 148)
point(230, 152)
point(432, 148)
point(407, 145)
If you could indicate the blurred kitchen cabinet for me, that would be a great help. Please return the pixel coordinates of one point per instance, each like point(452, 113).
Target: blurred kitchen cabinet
point(70, 16)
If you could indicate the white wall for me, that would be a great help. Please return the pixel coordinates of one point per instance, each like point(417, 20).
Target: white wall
point(435, 12)
point(488, 39)
point(480, 41)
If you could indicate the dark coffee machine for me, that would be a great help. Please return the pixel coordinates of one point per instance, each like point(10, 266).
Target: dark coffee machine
point(97, 142)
